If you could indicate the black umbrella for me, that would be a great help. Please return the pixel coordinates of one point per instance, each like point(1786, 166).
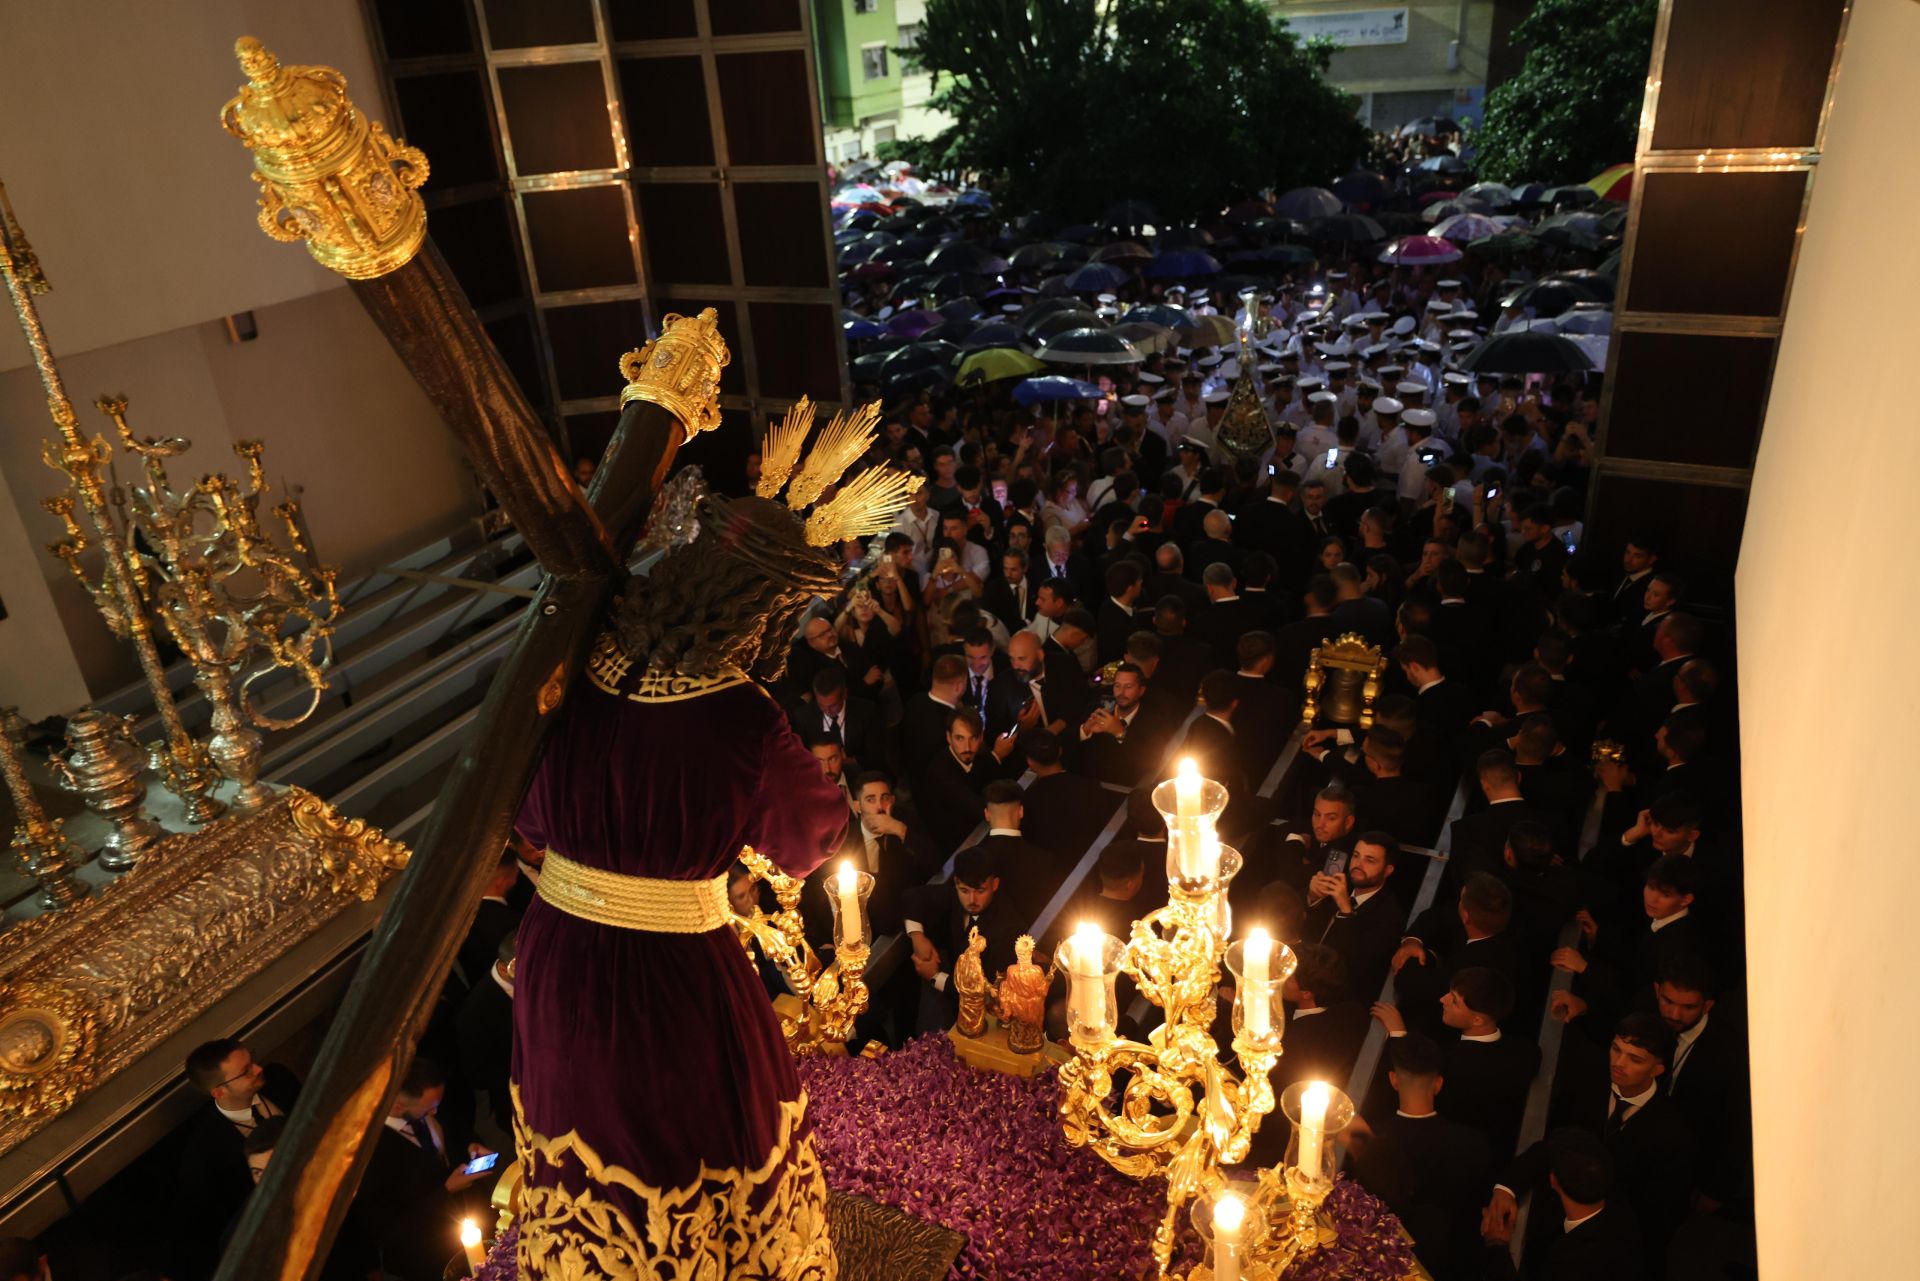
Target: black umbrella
point(1361, 188)
point(959, 309)
point(1611, 267)
point(1060, 322)
point(1033, 257)
point(994, 333)
point(928, 353)
point(1352, 229)
point(954, 331)
point(1089, 347)
point(1527, 352)
point(866, 369)
point(1429, 127)
point(952, 284)
point(1594, 282)
point(1549, 297)
point(964, 255)
point(1182, 238)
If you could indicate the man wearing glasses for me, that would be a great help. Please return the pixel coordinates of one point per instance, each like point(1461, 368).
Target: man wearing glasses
point(214, 1179)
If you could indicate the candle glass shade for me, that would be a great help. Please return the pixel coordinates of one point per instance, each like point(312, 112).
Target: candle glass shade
point(1230, 864)
point(1251, 1239)
point(1322, 1163)
point(858, 930)
point(1093, 1013)
point(1259, 1015)
point(1187, 833)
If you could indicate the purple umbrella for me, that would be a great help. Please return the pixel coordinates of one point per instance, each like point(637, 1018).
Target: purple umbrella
point(1465, 227)
point(916, 322)
point(1054, 387)
point(1304, 203)
point(1419, 251)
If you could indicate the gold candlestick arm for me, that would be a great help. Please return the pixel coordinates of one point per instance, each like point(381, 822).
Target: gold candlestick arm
point(182, 763)
point(38, 840)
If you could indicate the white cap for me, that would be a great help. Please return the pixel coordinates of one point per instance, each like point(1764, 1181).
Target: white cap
point(1164, 396)
point(1463, 313)
point(1336, 275)
point(1371, 316)
point(1216, 397)
point(1104, 312)
point(1107, 298)
point(884, 312)
point(1011, 307)
point(1336, 366)
point(1150, 378)
point(1435, 304)
point(1323, 397)
point(1208, 362)
point(1355, 322)
point(1446, 284)
point(1134, 402)
point(1419, 417)
point(1408, 387)
point(1369, 384)
point(1404, 325)
point(1307, 384)
point(1461, 333)
point(1267, 368)
point(1373, 350)
point(1201, 295)
point(1387, 405)
point(1454, 378)
point(1390, 371)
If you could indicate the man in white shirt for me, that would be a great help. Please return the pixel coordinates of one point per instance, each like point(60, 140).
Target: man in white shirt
point(920, 523)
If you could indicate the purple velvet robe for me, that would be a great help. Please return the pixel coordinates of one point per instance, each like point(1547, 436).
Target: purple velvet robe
point(659, 1049)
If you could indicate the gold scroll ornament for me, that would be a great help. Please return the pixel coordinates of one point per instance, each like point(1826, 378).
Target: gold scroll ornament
point(327, 174)
point(680, 370)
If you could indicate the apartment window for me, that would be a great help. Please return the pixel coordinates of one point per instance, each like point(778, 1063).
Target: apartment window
point(873, 62)
point(866, 6)
point(909, 37)
point(882, 133)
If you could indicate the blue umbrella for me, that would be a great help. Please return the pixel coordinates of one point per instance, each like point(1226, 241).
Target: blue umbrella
point(1053, 387)
point(974, 196)
point(864, 328)
point(1181, 263)
point(1362, 188)
point(1095, 278)
point(1158, 313)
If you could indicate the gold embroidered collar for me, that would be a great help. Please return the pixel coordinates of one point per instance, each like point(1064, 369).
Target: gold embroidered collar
point(608, 665)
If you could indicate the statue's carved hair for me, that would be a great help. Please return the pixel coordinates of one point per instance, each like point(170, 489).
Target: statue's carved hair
point(731, 598)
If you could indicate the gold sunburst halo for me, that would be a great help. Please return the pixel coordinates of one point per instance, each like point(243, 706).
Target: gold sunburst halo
point(866, 505)
point(780, 451)
point(838, 447)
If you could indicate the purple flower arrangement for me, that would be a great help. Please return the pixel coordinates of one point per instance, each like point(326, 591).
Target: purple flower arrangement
point(982, 1153)
point(502, 1262)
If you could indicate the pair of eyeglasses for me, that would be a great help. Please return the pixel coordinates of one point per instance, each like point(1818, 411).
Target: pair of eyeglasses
point(250, 1070)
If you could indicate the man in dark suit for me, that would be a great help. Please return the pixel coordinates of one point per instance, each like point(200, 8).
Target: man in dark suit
point(1645, 1132)
point(1488, 1071)
point(1624, 960)
point(1444, 706)
point(1325, 1023)
point(898, 854)
point(1216, 548)
point(1184, 659)
point(1029, 874)
point(1708, 1079)
point(1359, 612)
point(854, 722)
point(1271, 526)
point(1268, 711)
point(1221, 753)
point(411, 1196)
point(1676, 640)
point(213, 1180)
point(1117, 617)
point(1123, 743)
point(939, 918)
point(484, 1031)
point(1051, 696)
point(1545, 891)
point(1388, 800)
point(1190, 521)
point(922, 733)
point(1293, 645)
point(1169, 578)
point(1480, 837)
point(1222, 623)
point(1471, 931)
point(1592, 1234)
point(1432, 1172)
point(1357, 913)
point(1010, 596)
point(948, 794)
point(1064, 811)
point(992, 689)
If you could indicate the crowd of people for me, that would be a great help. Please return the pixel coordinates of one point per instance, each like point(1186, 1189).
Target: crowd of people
point(1081, 593)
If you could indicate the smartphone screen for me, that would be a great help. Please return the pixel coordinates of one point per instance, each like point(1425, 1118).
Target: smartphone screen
point(1333, 456)
point(481, 1164)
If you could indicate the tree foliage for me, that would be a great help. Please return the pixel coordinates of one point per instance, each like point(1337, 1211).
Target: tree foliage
point(1574, 108)
point(1188, 104)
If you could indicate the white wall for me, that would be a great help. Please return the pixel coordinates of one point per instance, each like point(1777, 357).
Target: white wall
point(138, 202)
point(1829, 617)
point(38, 672)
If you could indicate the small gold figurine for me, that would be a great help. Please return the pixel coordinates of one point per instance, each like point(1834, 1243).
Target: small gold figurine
point(1023, 999)
point(970, 981)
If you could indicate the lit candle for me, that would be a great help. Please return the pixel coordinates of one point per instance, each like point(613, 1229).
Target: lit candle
point(1186, 804)
point(1313, 1123)
point(849, 890)
point(1089, 989)
point(470, 1242)
point(1255, 1014)
point(1229, 1212)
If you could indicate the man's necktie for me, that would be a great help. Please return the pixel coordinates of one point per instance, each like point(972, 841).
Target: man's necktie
point(980, 691)
point(417, 1131)
point(1617, 1118)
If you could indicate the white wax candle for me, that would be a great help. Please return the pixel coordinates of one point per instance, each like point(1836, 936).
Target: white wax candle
point(1229, 1212)
point(470, 1243)
point(848, 888)
point(1313, 1123)
point(1089, 988)
point(1186, 803)
point(1255, 1012)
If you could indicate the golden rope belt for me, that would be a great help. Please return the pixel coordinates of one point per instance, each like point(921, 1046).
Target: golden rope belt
point(634, 902)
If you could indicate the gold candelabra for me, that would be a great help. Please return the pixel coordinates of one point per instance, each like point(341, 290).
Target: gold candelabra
point(38, 840)
point(833, 995)
point(182, 763)
point(239, 606)
point(1181, 1114)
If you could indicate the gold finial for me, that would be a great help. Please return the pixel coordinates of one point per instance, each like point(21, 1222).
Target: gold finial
point(781, 449)
point(24, 264)
point(846, 438)
point(680, 370)
point(866, 505)
point(327, 174)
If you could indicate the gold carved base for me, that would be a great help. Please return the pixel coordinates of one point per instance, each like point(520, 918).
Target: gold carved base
point(86, 991)
point(989, 1052)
